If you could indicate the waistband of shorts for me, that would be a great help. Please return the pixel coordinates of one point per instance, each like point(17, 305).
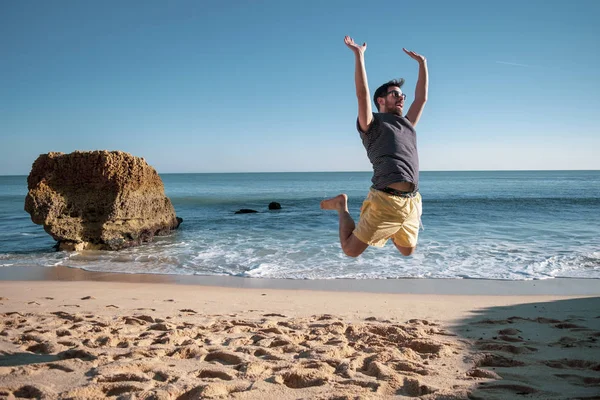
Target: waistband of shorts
point(395, 192)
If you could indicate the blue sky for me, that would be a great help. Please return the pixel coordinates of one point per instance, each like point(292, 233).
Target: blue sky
point(250, 86)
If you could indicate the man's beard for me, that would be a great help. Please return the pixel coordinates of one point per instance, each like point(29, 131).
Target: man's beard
point(394, 110)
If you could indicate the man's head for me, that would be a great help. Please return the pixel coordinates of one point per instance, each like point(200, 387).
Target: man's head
point(389, 97)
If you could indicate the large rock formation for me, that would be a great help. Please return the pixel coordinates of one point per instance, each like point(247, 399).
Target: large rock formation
point(98, 200)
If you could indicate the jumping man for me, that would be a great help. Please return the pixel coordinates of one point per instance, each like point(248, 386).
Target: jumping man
point(392, 208)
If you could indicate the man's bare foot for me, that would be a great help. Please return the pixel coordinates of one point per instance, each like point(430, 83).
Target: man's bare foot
point(338, 203)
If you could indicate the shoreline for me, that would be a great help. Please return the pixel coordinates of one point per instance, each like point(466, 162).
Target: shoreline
point(440, 286)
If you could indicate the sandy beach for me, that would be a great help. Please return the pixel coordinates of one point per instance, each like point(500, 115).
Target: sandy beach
point(71, 334)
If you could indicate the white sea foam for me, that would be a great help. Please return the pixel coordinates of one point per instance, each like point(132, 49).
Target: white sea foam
point(481, 261)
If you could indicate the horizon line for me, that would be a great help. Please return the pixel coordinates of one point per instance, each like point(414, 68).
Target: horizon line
point(319, 172)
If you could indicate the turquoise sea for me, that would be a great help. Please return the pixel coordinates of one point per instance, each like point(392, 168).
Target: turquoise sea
point(499, 225)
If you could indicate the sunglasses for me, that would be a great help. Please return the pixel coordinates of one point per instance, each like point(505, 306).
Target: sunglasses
point(397, 94)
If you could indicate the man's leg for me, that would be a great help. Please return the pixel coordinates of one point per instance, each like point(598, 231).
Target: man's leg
point(351, 245)
point(405, 251)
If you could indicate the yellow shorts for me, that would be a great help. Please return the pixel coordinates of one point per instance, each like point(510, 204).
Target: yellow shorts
point(384, 216)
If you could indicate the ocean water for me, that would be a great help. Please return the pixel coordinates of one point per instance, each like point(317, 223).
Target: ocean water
point(514, 225)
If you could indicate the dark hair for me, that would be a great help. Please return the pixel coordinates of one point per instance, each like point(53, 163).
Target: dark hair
point(382, 90)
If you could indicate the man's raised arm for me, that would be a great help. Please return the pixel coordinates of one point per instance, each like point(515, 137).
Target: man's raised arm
point(365, 113)
point(416, 108)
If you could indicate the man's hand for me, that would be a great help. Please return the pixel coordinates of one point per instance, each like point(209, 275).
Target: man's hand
point(414, 56)
point(355, 47)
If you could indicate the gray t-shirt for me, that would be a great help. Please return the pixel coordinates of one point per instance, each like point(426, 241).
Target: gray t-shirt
point(391, 144)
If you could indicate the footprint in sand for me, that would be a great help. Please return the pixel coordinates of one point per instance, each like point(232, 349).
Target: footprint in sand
point(165, 327)
point(67, 316)
point(324, 317)
point(377, 369)
point(422, 322)
point(141, 353)
point(68, 343)
point(134, 321)
point(488, 321)
point(215, 390)
point(279, 342)
point(124, 377)
point(509, 331)
point(567, 342)
point(118, 388)
point(491, 346)
point(216, 374)
point(265, 354)
point(508, 338)
point(366, 384)
point(579, 380)
point(425, 346)
point(483, 373)
point(163, 376)
point(409, 366)
point(29, 392)
point(76, 353)
point(413, 387)
point(59, 367)
point(273, 329)
point(43, 348)
point(224, 357)
point(541, 320)
point(237, 322)
point(170, 338)
point(301, 379)
point(13, 313)
point(494, 360)
point(504, 388)
point(569, 326)
point(319, 365)
point(574, 364)
point(188, 352)
point(146, 318)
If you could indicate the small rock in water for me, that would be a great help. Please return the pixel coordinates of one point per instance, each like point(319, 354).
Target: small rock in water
point(246, 211)
point(274, 206)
